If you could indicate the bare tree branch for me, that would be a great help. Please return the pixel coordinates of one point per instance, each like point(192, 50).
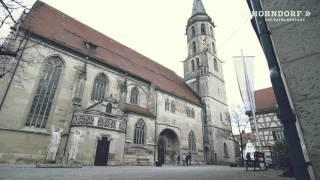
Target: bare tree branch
point(8, 11)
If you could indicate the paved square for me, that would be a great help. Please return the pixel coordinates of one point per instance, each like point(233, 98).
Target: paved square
point(9, 172)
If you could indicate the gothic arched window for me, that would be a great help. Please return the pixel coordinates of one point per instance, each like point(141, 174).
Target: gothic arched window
point(198, 63)
point(188, 111)
point(99, 88)
point(134, 95)
point(211, 30)
point(139, 132)
point(225, 150)
point(213, 48)
point(193, 31)
point(192, 141)
point(194, 47)
point(192, 65)
point(167, 104)
point(109, 108)
point(215, 64)
point(44, 96)
point(173, 106)
point(192, 113)
point(203, 29)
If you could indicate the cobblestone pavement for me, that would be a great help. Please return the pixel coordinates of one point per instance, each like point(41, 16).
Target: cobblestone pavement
point(10, 172)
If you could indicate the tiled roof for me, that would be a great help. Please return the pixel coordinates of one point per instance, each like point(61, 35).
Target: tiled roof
point(138, 110)
point(265, 99)
point(54, 25)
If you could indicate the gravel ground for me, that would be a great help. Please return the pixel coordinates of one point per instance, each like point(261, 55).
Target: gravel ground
point(15, 172)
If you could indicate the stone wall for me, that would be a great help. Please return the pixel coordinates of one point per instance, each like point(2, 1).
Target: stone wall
point(297, 48)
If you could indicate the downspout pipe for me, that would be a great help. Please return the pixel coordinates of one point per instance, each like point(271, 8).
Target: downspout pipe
point(286, 114)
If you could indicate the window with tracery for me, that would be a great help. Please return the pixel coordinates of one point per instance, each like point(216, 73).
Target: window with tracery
point(45, 92)
point(139, 132)
point(192, 141)
point(134, 95)
point(99, 88)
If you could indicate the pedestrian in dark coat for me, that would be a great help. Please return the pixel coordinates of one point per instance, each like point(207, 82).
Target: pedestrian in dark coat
point(189, 158)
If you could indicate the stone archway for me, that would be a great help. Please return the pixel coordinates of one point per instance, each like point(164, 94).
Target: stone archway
point(168, 146)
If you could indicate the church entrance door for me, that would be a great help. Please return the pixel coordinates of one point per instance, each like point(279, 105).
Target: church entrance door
point(168, 147)
point(102, 152)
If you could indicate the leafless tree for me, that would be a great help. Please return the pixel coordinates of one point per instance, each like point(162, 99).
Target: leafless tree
point(13, 41)
point(239, 122)
point(11, 44)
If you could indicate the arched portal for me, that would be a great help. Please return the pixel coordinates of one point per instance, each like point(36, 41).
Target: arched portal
point(168, 147)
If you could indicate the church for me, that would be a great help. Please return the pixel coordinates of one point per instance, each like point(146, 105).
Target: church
point(86, 98)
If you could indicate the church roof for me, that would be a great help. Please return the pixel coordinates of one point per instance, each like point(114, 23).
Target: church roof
point(265, 99)
point(60, 28)
point(198, 7)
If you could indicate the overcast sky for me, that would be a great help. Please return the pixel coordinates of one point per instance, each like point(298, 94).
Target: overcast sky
point(156, 29)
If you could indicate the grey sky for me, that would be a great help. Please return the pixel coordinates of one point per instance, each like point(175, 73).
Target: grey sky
point(156, 29)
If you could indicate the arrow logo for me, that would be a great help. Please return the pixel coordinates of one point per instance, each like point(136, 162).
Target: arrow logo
point(307, 13)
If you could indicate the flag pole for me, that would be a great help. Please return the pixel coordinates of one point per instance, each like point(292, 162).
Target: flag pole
point(251, 100)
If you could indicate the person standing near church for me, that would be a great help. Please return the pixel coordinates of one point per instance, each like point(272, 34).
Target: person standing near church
point(189, 157)
point(184, 159)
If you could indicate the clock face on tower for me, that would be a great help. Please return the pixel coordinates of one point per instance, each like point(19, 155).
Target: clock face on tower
point(205, 41)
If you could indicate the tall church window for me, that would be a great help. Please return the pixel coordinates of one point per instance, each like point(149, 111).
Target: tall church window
point(194, 47)
point(99, 88)
point(188, 111)
point(225, 150)
point(198, 63)
point(203, 29)
point(213, 48)
point(192, 113)
point(139, 132)
point(221, 117)
point(167, 104)
point(192, 141)
point(211, 30)
point(134, 95)
point(192, 65)
point(193, 31)
point(173, 107)
point(109, 108)
point(44, 96)
point(215, 64)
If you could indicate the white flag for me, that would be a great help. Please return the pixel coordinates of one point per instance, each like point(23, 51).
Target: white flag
point(244, 66)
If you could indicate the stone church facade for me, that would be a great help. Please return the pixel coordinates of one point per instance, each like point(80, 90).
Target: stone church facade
point(127, 109)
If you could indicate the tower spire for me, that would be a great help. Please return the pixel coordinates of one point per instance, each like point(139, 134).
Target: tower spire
point(198, 7)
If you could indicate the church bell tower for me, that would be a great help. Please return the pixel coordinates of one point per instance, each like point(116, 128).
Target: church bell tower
point(203, 73)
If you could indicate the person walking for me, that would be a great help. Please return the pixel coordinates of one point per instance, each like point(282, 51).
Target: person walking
point(184, 159)
point(189, 158)
point(175, 159)
point(178, 160)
